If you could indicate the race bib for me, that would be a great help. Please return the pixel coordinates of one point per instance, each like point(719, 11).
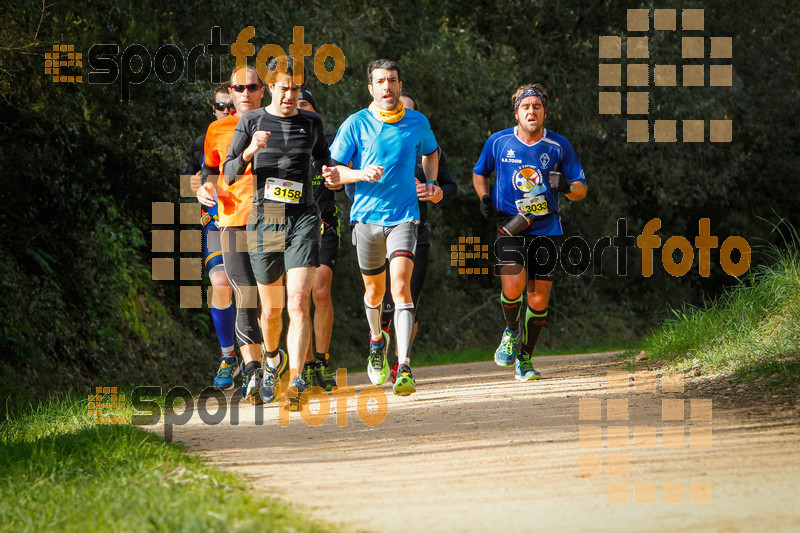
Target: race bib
point(536, 206)
point(285, 191)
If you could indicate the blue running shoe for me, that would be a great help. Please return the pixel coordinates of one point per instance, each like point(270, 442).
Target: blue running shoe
point(228, 369)
point(281, 367)
point(508, 350)
point(296, 394)
point(268, 384)
point(524, 371)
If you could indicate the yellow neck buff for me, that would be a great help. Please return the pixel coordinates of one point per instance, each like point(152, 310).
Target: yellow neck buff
point(388, 116)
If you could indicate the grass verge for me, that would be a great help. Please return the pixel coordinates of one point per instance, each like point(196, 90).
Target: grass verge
point(752, 332)
point(60, 471)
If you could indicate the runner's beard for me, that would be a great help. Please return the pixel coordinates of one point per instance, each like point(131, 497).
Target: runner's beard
point(524, 126)
point(391, 106)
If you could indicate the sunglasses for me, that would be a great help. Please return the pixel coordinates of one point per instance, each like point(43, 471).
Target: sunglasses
point(239, 88)
point(220, 106)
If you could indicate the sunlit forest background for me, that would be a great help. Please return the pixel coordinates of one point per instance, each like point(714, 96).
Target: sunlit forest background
point(83, 168)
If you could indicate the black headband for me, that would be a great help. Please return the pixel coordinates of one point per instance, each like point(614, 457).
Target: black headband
point(530, 91)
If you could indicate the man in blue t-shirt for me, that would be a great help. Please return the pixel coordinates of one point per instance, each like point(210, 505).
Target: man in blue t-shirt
point(532, 166)
point(376, 149)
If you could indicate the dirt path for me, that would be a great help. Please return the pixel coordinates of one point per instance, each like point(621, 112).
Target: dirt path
point(474, 450)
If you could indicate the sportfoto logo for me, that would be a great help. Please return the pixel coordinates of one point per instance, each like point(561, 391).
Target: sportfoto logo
point(169, 64)
point(104, 400)
point(180, 405)
point(693, 72)
point(63, 56)
point(542, 255)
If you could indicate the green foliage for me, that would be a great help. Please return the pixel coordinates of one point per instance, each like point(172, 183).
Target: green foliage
point(84, 168)
point(72, 475)
point(752, 331)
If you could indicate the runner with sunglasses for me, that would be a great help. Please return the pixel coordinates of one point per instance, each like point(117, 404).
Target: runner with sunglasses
point(222, 312)
point(281, 143)
point(235, 201)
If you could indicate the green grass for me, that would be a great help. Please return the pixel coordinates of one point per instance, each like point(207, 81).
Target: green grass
point(751, 332)
point(61, 472)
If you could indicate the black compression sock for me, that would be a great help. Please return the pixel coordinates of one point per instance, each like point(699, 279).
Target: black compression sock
point(511, 311)
point(251, 367)
point(534, 322)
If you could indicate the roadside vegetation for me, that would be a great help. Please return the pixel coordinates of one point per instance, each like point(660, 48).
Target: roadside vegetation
point(751, 331)
point(59, 469)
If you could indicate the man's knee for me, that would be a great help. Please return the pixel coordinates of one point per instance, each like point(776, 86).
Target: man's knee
point(298, 303)
point(273, 313)
point(322, 293)
point(373, 292)
point(538, 300)
point(401, 290)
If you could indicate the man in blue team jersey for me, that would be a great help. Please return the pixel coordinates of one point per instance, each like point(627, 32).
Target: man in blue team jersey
point(532, 165)
point(376, 148)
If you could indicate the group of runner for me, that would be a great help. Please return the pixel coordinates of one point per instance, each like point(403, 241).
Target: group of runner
point(271, 227)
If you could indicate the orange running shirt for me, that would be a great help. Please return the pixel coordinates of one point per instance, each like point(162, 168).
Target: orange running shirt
point(234, 200)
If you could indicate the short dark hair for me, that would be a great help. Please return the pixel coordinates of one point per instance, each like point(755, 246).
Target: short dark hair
point(386, 64)
point(408, 95)
point(222, 88)
point(272, 66)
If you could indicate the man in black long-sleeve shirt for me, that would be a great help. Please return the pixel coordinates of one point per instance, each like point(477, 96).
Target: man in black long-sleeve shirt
point(283, 229)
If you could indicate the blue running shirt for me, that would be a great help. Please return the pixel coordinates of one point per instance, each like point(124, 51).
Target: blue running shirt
point(522, 174)
point(365, 140)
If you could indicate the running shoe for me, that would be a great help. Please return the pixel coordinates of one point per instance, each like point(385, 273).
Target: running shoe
point(268, 385)
point(253, 394)
point(296, 394)
point(377, 366)
point(244, 379)
point(405, 382)
point(508, 350)
point(325, 378)
point(524, 369)
point(310, 374)
point(228, 369)
point(283, 362)
point(393, 373)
